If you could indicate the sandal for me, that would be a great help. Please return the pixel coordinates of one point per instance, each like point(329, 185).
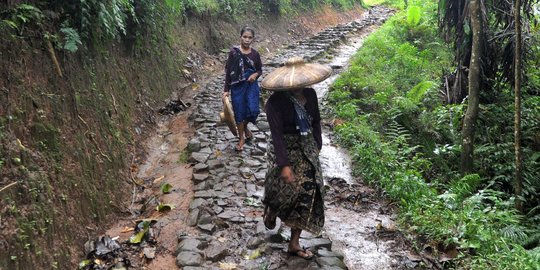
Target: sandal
point(269, 219)
point(302, 253)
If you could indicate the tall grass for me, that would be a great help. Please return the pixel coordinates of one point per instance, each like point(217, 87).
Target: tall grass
point(403, 139)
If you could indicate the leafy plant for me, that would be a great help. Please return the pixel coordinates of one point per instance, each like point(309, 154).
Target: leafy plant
point(72, 40)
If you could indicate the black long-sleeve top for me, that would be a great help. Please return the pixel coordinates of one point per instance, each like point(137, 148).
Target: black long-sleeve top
point(254, 56)
point(280, 113)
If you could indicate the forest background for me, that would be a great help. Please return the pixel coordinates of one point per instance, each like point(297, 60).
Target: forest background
point(79, 81)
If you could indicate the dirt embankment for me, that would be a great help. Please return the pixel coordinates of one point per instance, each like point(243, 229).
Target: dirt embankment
point(70, 132)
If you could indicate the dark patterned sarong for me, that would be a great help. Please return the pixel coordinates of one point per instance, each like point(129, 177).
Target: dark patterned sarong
point(299, 204)
point(245, 99)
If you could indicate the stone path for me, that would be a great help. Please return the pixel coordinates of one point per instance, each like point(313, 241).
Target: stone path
point(226, 207)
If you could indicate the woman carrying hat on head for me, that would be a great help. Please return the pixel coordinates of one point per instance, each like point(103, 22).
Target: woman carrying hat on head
point(242, 70)
point(294, 184)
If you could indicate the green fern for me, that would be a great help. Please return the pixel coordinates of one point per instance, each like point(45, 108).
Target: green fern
point(72, 40)
point(413, 15)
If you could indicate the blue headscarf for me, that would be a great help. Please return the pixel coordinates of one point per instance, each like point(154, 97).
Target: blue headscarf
point(301, 116)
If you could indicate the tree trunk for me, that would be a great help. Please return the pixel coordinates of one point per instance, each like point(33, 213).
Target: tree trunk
point(469, 120)
point(517, 114)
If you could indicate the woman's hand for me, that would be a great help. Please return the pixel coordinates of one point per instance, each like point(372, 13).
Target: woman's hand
point(225, 94)
point(253, 77)
point(287, 174)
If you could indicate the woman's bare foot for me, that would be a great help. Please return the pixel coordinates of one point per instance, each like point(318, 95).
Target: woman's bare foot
point(249, 134)
point(240, 145)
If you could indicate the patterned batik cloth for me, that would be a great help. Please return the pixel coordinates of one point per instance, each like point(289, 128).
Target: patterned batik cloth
point(245, 99)
point(299, 204)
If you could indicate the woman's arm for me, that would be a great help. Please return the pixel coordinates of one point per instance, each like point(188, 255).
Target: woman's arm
point(227, 85)
point(275, 120)
point(316, 115)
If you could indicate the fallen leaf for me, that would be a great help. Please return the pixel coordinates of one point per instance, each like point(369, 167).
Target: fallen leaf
point(164, 207)
point(227, 266)
point(127, 229)
point(166, 188)
point(253, 255)
point(159, 179)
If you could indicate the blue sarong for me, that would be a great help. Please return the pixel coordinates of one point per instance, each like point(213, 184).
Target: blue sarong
point(245, 99)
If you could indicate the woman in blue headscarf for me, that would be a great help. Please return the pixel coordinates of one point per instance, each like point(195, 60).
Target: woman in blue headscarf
point(242, 70)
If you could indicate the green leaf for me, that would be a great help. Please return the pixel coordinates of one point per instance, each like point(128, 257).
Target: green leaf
point(137, 238)
point(164, 207)
point(11, 24)
point(413, 15)
point(84, 264)
point(72, 40)
point(252, 202)
point(166, 188)
point(418, 91)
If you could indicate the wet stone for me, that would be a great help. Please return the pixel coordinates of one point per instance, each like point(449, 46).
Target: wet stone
point(188, 244)
point(261, 175)
point(235, 164)
point(216, 252)
point(331, 267)
point(205, 218)
point(201, 186)
point(198, 157)
point(229, 188)
point(254, 242)
point(274, 237)
point(228, 214)
point(189, 258)
point(295, 263)
point(323, 252)
point(221, 203)
point(215, 164)
point(210, 228)
point(197, 203)
point(238, 219)
point(240, 189)
point(217, 209)
point(200, 167)
point(331, 261)
point(224, 195)
point(263, 126)
point(252, 163)
point(316, 243)
point(251, 190)
point(246, 172)
point(205, 194)
point(149, 252)
point(193, 217)
point(194, 268)
point(194, 145)
point(206, 150)
point(260, 229)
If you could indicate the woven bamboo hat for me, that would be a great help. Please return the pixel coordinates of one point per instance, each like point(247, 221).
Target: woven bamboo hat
point(227, 115)
point(295, 74)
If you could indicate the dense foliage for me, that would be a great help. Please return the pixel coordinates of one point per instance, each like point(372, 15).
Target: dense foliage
point(404, 137)
point(80, 23)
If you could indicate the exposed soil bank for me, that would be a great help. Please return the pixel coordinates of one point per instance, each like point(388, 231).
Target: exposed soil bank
point(69, 140)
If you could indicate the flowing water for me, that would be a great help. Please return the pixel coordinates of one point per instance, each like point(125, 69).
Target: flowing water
point(358, 241)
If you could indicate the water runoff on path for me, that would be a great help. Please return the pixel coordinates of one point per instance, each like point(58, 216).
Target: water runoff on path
point(353, 233)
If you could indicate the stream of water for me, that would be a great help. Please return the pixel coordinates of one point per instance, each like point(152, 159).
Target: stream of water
point(357, 240)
